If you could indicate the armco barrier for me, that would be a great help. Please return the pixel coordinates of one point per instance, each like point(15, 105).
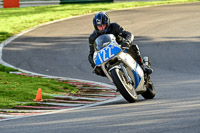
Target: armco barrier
point(1, 3)
point(28, 3)
point(83, 1)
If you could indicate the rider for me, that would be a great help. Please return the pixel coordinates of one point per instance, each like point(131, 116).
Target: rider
point(102, 25)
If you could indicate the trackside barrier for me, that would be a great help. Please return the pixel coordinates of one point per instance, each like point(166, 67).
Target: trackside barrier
point(28, 3)
point(83, 1)
point(10, 3)
point(1, 3)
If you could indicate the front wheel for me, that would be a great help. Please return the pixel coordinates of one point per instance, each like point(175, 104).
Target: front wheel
point(126, 89)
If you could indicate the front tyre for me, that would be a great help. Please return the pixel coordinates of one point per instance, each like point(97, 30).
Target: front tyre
point(126, 89)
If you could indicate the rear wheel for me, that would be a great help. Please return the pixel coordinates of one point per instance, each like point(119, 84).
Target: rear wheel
point(150, 93)
point(126, 89)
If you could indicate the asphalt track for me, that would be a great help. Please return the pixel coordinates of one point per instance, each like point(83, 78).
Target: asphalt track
point(169, 35)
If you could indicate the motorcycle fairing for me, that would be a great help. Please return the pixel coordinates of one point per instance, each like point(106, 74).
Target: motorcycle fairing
point(106, 53)
point(136, 76)
point(135, 68)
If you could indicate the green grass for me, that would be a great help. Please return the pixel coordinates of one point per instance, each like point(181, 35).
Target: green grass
point(16, 88)
point(15, 20)
point(7, 69)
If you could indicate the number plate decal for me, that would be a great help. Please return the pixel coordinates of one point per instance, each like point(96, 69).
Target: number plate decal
point(106, 53)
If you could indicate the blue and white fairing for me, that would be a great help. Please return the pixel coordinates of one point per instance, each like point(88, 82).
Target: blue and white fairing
point(106, 47)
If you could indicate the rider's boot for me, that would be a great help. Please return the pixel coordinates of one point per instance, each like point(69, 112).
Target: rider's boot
point(144, 66)
point(135, 53)
point(146, 69)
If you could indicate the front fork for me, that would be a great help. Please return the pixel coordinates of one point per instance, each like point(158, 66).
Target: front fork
point(126, 74)
point(120, 66)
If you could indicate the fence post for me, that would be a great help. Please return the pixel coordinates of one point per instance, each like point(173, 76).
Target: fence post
point(10, 3)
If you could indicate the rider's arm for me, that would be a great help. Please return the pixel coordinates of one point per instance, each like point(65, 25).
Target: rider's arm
point(91, 42)
point(128, 36)
point(90, 56)
point(97, 70)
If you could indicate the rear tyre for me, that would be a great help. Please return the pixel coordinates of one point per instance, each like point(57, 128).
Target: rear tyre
point(126, 89)
point(150, 93)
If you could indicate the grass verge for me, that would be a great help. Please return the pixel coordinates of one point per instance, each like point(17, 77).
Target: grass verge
point(17, 88)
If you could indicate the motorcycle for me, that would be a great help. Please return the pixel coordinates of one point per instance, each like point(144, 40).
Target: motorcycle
point(121, 69)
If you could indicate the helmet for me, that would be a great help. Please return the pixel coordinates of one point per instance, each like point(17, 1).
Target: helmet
point(101, 19)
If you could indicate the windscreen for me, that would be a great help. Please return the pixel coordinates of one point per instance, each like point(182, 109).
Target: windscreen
point(103, 41)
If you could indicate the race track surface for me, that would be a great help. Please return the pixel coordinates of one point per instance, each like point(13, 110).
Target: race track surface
point(169, 35)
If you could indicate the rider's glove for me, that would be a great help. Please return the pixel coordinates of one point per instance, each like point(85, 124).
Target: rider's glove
point(96, 70)
point(99, 71)
point(125, 45)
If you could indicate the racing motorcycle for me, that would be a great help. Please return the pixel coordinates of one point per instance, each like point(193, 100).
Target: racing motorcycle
point(121, 69)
